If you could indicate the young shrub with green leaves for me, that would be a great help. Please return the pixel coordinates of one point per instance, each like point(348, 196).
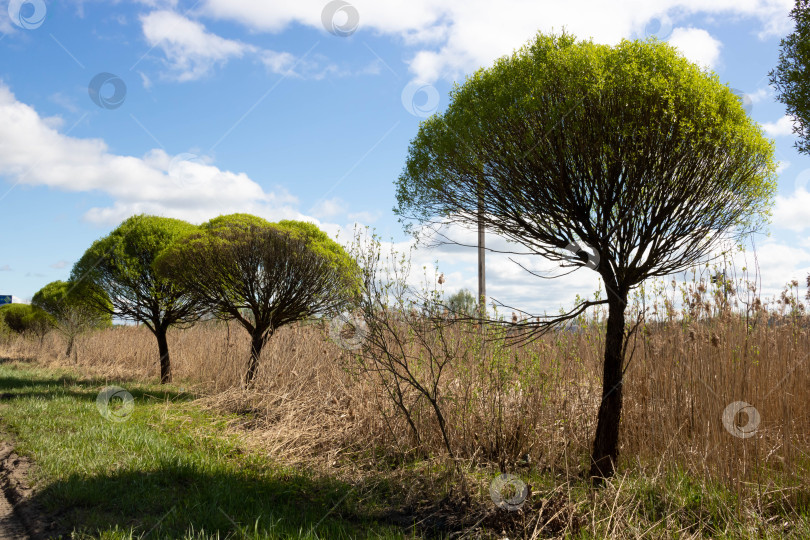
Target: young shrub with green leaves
point(120, 272)
point(71, 310)
point(24, 318)
point(263, 275)
point(628, 151)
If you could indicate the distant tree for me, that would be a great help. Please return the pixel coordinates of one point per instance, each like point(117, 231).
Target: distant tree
point(70, 309)
point(14, 316)
point(463, 303)
point(791, 79)
point(628, 160)
point(24, 318)
point(120, 268)
point(263, 275)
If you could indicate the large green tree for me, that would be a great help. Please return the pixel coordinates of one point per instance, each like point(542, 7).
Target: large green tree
point(121, 269)
point(791, 78)
point(263, 275)
point(71, 311)
point(628, 160)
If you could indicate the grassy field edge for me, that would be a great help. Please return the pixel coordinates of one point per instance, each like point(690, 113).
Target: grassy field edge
point(168, 469)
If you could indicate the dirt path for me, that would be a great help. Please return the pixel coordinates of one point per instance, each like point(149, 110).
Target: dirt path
point(12, 476)
point(10, 526)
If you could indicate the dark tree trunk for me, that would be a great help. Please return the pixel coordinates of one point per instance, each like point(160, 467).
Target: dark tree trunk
point(606, 441)
point(69, 347)
point(163, 349)
point(257, 341)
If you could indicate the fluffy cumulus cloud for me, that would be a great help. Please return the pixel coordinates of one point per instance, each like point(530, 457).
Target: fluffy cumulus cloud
point(192, 52)
point(454, 37)
point(697, 45)
point(34, 152)
point(790, 212)
point(780, 128)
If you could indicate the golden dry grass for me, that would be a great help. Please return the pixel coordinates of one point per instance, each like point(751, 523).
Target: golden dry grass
point(310, 404)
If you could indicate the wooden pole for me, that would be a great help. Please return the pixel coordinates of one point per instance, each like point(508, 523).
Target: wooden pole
point(482, 284)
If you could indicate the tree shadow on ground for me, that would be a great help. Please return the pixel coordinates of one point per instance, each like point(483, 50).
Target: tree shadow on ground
point(26, 387)
point(175, 497)
point(175, 500)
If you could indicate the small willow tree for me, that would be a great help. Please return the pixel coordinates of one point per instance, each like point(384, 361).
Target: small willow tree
point(121, 269)
point(71, 310)
point(630, 151)
point(264, 275)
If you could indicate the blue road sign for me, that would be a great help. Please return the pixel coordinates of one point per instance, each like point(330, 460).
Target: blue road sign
point(5, 299)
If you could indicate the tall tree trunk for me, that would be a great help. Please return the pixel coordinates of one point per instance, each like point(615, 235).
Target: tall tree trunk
point(606, 441)
point(257, 341)
point(163, 349)
point(70, 346)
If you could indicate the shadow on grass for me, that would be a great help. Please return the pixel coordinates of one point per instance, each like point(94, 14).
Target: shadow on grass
point(12, 387)
point(174, 500)
point(181, 495)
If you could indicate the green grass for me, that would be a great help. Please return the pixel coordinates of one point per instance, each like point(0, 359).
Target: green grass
point(170, 470)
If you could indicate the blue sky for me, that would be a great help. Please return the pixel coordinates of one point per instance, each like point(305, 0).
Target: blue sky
point(304, 109)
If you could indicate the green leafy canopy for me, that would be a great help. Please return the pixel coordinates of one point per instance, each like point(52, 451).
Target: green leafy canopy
point(559, 97)
point(227, 228)
point(121, 265)
point(63, 299)
point(790, 78)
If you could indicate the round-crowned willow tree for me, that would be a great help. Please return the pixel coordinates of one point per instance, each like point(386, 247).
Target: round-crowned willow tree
point(631, 150)
point(68, 304)
point(264, 275)
point(120, 268)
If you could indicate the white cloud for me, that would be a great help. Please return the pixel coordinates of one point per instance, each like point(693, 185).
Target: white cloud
point(780, 128)
point(190, 50)
point(33, 152)
point(697, 45)
point(760, 95)
point(58, 265)
point(779, 264)
point(329, 208)
point(277, 62)
point(161, 4)
point(145, 80)
point(454, 37)
point(313, 66)
point(366, 218)
point(791, 212)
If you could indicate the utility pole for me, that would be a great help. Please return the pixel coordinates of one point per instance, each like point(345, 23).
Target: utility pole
point(482, 285)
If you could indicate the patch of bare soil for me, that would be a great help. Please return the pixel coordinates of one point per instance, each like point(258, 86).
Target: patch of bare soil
point(19, 517)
